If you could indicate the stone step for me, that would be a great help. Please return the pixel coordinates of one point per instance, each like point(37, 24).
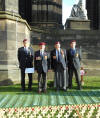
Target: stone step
point(91, 66)
point(90, 63)
point(92, 71)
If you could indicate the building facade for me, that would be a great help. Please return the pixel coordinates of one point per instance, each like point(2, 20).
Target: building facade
point(93, 12)
point(42, 13)
point(48, 13)
point(25, 9)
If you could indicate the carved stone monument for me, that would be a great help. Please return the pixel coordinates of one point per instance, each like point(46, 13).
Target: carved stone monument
point(13, 29)
point(78, 18)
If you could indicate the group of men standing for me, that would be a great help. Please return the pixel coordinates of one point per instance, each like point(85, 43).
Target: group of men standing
point(63, 62)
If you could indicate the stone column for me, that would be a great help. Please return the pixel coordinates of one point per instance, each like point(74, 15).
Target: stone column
point(9, 5)
point(44, 12)
point(13, 29)
point(99, 13)
point(50, 13)
point(39, 12)
point(34, 13)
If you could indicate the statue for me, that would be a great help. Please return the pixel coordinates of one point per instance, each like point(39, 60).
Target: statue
point(78, 18)
point(77, 11)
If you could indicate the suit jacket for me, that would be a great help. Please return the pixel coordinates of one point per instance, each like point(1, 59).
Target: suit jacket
point(41, 63)
point(55, 62)
point(74, 60)
point(25, 58)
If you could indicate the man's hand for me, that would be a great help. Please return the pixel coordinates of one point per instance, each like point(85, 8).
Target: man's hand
point(35, 70)
point(66, 68)
point(54, 57)
point(38, 58)
point(49, 70)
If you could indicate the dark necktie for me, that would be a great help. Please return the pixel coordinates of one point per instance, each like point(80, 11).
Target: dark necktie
point(58, 55)
point(42, 54)
point(72, 51)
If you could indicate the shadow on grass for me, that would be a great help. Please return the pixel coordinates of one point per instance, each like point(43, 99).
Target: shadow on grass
point(51, 90)
point(61, 93)
point(17, 88)
point(90, 87)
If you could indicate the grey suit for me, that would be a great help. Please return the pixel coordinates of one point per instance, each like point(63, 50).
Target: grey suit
point(59, 65)
point(42, 64)
point(74, 66)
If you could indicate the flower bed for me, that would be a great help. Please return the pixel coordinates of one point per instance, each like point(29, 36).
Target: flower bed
point(64, 111)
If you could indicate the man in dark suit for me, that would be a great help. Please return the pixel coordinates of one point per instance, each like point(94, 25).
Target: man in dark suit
point(25, 58)
point(74, 58)
point(42, 64)
point(59, 65)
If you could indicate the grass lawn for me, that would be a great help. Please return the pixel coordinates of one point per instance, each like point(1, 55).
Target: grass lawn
point(90, 83)
point(73, 103)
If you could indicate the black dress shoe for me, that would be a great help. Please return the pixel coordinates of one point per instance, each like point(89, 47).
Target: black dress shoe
point(29, 89)
point(57, 89)
point(39, 91)
point(70, 87)
point(65, 90)
point(23, 89)
point(45, 91)
point(79, 88)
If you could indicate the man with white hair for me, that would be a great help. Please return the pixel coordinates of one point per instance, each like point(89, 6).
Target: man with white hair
point(59, 65)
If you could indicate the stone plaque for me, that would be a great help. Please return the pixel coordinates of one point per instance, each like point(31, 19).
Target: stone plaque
point(78, 24)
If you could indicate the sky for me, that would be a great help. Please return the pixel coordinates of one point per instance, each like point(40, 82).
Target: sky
point(67, 6)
